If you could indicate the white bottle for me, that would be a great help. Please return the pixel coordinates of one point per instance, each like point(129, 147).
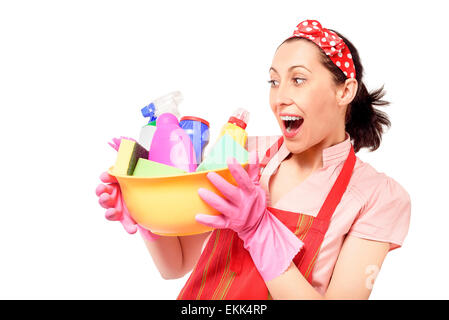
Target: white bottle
point(167, 103)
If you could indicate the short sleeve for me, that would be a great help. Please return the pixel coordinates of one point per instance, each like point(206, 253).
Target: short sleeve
point(385, 216)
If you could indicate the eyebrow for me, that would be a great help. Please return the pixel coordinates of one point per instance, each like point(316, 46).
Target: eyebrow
point(292, 67)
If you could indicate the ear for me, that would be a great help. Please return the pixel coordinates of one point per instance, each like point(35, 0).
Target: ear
point(346, 92)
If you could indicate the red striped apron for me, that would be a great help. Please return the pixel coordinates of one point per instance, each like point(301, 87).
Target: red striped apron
point(225, 269)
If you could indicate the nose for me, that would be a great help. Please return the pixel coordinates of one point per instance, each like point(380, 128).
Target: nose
point(282, 96)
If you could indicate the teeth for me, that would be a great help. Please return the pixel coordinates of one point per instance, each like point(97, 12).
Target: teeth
point(284, 118)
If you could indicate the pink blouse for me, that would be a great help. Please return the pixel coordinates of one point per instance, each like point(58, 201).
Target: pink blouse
point(374, 206)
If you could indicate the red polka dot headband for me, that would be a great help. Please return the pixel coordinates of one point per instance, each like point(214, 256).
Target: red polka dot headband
point(329, 42)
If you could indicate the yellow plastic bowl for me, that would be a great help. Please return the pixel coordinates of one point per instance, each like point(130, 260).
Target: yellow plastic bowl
point(168, 205)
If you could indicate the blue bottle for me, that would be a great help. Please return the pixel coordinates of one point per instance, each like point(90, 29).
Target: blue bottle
point(198, 131)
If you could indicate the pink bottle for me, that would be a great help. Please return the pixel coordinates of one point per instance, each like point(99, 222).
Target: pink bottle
point(171, 145)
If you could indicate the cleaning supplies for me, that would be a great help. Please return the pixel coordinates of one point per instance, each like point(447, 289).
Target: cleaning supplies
point(164, 104)
point(198, 131)
point(225, 147)
point(147, 131)
point(171, 145)
point(147, 168)
point(115, 143)
point(128, 153)
point(236, 126)
point(146, 134)
point(231, 143)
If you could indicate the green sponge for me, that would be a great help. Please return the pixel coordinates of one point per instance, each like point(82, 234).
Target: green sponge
point(147, 168)
point(128, 154)
point(225, 147)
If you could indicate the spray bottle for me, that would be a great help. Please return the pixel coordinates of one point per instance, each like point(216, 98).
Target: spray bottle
point(165, 104)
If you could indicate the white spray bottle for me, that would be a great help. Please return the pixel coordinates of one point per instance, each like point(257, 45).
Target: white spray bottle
point(167, 103)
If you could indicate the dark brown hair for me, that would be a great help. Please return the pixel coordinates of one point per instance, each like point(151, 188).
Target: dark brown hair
point(364, 123)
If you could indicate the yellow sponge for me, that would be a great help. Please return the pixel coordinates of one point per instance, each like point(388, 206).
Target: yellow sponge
point(128, 154)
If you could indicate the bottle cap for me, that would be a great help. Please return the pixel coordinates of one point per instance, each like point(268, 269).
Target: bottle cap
point(195, 119)
point(240, 117)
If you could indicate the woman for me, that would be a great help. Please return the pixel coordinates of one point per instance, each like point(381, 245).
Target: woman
point(311, 221)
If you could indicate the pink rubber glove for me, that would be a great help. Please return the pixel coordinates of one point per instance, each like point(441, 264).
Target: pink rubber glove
point(271, 244)
point(110, 198)
point(115, 144)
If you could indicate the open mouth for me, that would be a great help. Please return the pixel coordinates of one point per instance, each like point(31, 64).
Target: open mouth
point(291, 124)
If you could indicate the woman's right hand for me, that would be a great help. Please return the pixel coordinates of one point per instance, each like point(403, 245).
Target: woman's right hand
point(110, 198)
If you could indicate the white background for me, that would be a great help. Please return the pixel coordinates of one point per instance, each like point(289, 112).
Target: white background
point(74, 74)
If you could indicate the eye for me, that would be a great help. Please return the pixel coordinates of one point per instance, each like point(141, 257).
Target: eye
point(299, 80)
point(272, 82)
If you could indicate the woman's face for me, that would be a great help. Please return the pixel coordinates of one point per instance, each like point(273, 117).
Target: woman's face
point(303, 96)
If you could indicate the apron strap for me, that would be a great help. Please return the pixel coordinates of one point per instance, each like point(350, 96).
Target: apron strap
point(305, 260)
point(270, 154)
